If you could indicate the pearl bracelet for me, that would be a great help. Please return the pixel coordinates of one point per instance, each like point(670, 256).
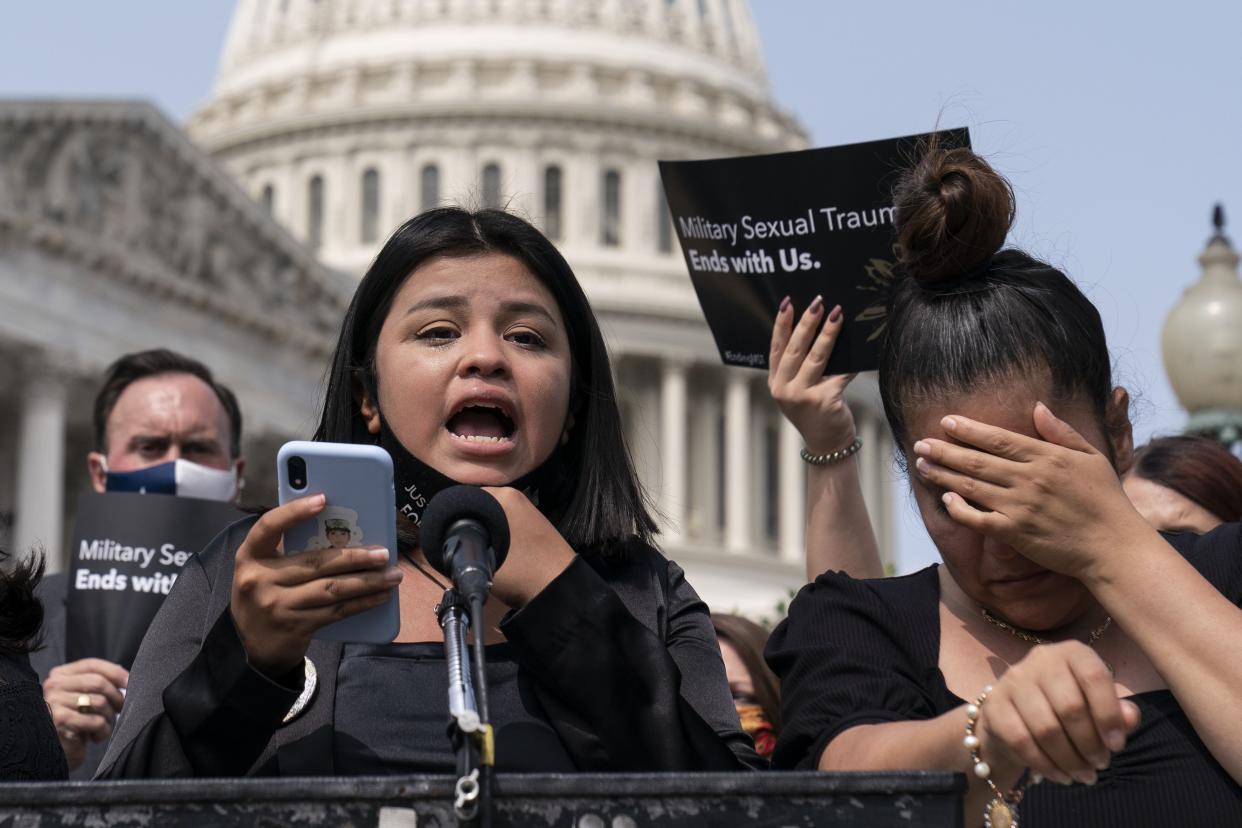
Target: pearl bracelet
point(832, 456)
point(1002, 810)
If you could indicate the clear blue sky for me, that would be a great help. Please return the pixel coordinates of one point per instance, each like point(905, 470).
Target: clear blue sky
point(1119, 124)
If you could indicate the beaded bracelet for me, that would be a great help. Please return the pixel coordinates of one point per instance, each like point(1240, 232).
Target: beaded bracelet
point(832, 456)
point(1002, 810)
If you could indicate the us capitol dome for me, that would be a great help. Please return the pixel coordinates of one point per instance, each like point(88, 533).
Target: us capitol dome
point(333, 121)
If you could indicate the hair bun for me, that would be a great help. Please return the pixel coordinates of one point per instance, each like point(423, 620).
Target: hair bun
point(953, 212)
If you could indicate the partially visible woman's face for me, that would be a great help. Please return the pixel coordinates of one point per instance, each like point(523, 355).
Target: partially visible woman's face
point(994, 574)
point(1166, 509)
point(740, 683)
point(473, 367)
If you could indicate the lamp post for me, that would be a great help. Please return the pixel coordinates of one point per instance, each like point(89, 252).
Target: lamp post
point(1202, 342)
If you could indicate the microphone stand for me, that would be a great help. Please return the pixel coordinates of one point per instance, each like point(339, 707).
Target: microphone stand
point(470, 732)
point(487, 765)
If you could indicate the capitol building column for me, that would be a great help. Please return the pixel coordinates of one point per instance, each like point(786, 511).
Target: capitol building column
point(738, 474)
point(706, 463)
point(674, 457)
point(39, 507)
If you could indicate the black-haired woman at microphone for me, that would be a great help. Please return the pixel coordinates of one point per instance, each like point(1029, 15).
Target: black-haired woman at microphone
point(470, 353)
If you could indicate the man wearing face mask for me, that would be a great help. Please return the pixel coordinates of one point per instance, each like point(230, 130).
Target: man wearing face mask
point(163, 425)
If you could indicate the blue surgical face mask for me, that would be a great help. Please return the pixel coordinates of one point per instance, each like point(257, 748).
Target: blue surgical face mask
point(181, 478)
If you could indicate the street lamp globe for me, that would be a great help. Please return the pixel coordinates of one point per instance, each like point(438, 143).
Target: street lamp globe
point(1202, 342)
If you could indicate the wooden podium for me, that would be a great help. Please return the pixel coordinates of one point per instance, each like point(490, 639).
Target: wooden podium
point(867, 800)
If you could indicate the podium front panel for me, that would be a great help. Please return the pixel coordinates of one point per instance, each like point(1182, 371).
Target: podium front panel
point(778, 799)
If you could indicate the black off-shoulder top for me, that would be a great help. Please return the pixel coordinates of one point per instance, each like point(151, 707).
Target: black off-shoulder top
point(856, 652)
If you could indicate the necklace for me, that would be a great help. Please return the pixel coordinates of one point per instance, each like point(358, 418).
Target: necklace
point(410, 560)
point(1031, 638)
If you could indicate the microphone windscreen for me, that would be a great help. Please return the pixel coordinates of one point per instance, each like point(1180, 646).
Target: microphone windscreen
point(456, 503)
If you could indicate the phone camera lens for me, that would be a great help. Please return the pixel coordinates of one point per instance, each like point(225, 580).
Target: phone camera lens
point(297, 473)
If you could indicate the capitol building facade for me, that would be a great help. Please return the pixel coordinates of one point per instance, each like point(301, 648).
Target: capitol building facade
point(333, 121)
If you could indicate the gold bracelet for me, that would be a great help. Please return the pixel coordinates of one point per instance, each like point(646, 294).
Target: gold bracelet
point(1002, 809)
point(832, 456)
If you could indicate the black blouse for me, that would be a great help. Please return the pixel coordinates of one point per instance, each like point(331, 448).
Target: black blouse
point(412, 737)
point(29, 749)
point(866, 652)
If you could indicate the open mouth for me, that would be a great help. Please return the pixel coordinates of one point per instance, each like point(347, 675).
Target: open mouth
point(481, 423)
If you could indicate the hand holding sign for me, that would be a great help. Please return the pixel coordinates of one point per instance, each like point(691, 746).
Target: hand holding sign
point(798, 224)
point(814, 403)
point(84, 698)
point(279, 602)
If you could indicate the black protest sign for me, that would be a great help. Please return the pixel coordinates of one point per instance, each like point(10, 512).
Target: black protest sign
point(127, 551)
point(758, 228)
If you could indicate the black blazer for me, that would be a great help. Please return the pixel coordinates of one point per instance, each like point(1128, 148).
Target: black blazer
point(620, 651)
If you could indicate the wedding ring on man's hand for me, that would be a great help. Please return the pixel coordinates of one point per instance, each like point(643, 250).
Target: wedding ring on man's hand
point(84, 704)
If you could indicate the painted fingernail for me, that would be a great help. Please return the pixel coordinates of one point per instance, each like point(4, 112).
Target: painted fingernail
point(378, 554)
point(817, 305)
point(1116, 740)
point(921, 448)
point(785, 303)
point(393, 576)
point(835, 315)
point(948, 423)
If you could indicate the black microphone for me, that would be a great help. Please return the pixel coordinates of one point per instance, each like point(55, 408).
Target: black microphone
point(465, 535)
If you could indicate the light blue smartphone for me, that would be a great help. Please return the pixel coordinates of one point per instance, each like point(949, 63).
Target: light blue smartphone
point(360, 511)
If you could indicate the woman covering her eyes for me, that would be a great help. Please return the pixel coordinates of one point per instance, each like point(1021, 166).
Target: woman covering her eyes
point(1080, 667)
point(470, 354)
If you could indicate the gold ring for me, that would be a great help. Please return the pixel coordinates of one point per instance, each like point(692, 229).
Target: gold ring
point(84, 703)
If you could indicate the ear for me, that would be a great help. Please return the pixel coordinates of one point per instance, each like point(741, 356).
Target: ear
point(569, 425)
point(1120, 431)
point(367, 407)
point(96, 465)
point(240, 470)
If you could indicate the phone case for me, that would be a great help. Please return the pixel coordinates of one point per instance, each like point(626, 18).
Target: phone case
point(360, 511)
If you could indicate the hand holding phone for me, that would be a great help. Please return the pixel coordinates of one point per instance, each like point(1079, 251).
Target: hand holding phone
point(360, 511)
point(323, 564)
point(279, 603)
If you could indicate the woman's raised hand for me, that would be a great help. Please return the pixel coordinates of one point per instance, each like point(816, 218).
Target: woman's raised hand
point(537, 552)
point(838, 532)
point(1056, 712)
point(1056, 500)
point(814, 403)
point(278, 601)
